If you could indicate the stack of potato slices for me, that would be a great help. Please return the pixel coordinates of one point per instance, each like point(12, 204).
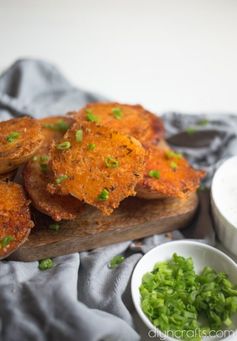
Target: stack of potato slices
point(98, 156)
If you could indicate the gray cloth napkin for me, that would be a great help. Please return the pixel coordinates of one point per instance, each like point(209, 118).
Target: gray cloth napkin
point(80, 298)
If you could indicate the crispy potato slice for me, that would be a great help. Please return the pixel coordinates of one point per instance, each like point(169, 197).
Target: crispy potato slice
point(132, 120)
point(19, 140)
point(100, 166)
point(15, 222)
point(167, 174)
point(37, 174)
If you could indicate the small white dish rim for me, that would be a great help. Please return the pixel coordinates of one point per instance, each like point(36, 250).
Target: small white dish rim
point(214, 185)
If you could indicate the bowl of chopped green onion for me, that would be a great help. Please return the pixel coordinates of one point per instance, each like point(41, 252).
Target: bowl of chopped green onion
point(186, 290)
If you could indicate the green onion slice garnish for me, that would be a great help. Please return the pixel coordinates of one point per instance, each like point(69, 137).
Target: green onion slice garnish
point(43, 162)
point(6, 241)
point(111, 162)
point(91, 117)
point(44, 167)
point(64, 145)
point(54, 227)
point(191, 130)
point(13, 136)
point(91, 146)
point(79, 135)
point(45, 264)
point(61, 178)
point(154, 173)
point(203, 122)
point(60, 125)
point(44, 158)
point(117, 113)
point(116, 261)
point(170, 154)
point(104, 195)
point(173, 165)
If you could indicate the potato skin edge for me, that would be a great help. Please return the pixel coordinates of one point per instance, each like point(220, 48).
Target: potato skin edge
point(14, 215)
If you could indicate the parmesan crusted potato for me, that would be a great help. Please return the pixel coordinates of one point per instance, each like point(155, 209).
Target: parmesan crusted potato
point(97, 165)
point(167, 174)
point(15, 221)
point(19, 140)
point(132, 120)
point(37, 174)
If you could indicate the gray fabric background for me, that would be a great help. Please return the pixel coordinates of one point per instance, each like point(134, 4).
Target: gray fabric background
point(80, 298)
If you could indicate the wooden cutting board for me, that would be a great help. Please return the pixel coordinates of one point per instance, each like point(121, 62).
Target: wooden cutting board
point(134, 219)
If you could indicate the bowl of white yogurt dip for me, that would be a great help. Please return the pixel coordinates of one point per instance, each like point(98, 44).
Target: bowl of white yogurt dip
point(224, 203)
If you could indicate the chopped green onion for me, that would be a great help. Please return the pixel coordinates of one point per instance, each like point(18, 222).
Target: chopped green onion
point(79, 135)
point(91, 146)
point(61, 178)
point(228, 322)
point(116, 261)
point(104, 195)
point(64, 145)
point(61, 125)
point(54, 227)
point(44, 167)
point(171, 154)
point(6, 241)
point(117, 113)
point(44, 158)
point(191, 130)
point(110, 162)
point(203, 122)
point(91, 117)
point(173, 165)
point(45, 264)
point(154, 173)
point(48, 126)
point(13, 136)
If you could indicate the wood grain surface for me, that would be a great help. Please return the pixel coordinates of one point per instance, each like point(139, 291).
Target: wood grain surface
point(134, 219)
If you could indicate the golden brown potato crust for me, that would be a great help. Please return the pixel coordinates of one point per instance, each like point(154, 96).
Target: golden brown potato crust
point(15, 219)
point(37, 174)
point(19, 140)
point(176, 177)
point(132, 120)
point(104, 163)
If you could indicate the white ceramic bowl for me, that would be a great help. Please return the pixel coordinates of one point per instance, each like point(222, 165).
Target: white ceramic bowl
point(224, 203)
point(202, 255)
